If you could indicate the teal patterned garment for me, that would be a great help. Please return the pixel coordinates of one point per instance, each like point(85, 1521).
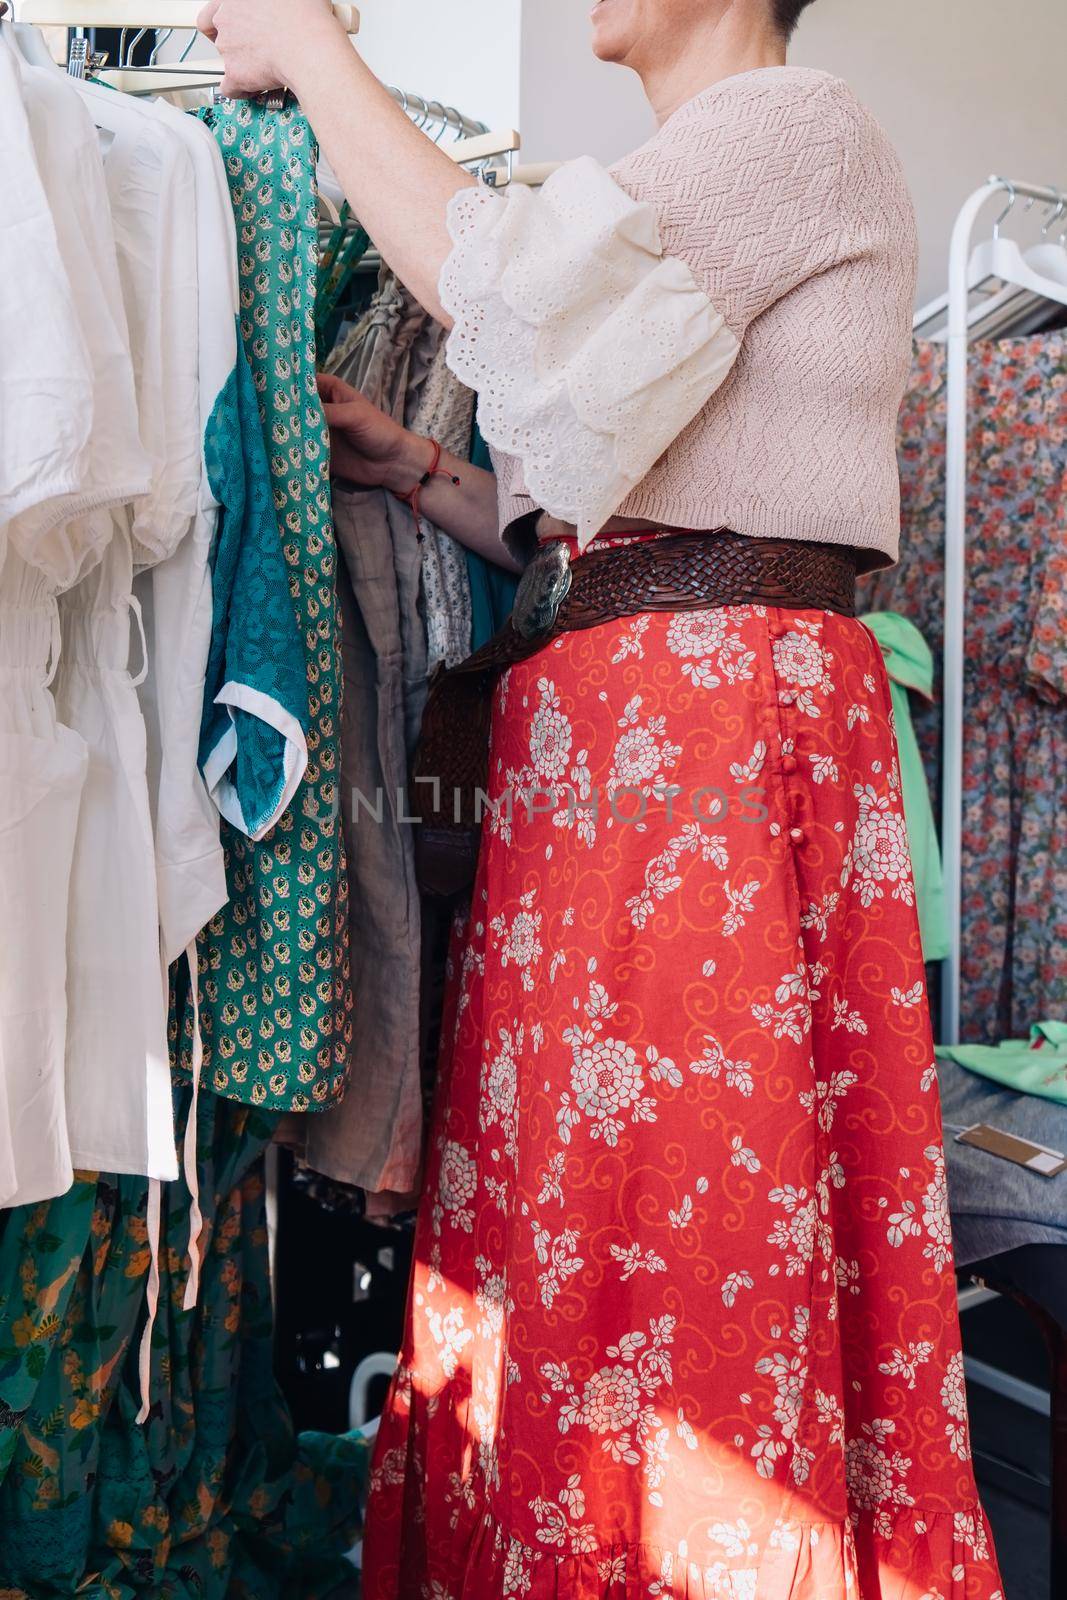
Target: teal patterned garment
point(214, 1498)
point(275, 989)
point(253, 738)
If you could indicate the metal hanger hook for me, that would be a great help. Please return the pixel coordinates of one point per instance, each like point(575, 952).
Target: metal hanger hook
point(162, 35)
point(1010, 187)
point(1054, 215)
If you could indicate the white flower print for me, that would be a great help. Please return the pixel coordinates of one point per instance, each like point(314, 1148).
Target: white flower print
point(936, 1217)
point(714, 1063)
point(518, 1570)
point(732, 1285)
point(490, 1297)
point(788, 1370)
point(801, 663)
point(876, 1478)
point(632, 1259)
point(521, 940)
point(748, 771)
point(550, 735)
point(456, 1186)
point(817, 915)
point(643, 754)
point(740, 902)
point(954, 1400)
point(561, 1525)
point(661, 876)
point(498, 1102)
point(878, 855)
point(560, 1256)
point(607, 1079)
point(741, 1156)
point(906, 1363)
point(614, 1401)
point(705, 642)
point(631, 642)
point(552, 1179)
point(797, 1235)
point(449, 1334)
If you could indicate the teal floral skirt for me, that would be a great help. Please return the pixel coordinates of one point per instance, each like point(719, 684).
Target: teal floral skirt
point(214, 1496)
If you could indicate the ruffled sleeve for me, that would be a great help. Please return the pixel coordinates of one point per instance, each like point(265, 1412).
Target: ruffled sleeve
point(590, 350)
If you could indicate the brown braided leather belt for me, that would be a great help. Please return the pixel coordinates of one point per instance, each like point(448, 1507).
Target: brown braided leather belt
point(676, 572)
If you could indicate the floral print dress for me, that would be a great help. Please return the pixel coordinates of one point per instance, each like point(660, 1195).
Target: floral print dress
point(1014, 915)
point(683, 1317)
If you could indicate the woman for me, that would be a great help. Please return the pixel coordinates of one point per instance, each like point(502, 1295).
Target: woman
point(683, 1319)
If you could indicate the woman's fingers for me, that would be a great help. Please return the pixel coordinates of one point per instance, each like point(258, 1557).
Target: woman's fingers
point(334, 389)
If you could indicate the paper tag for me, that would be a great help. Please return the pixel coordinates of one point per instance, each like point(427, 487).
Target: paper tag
point(1039, 1158)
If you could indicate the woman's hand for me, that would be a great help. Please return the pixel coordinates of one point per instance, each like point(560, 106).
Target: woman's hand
point(366, 446)
point(261, 41)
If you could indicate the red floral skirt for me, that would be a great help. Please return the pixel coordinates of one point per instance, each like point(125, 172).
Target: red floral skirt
point(683, 1316)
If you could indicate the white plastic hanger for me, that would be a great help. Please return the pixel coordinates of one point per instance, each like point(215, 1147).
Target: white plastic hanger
point(1000, 257)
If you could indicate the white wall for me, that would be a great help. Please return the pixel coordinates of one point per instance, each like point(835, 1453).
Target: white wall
point(572, 104)
point(466, 53)
point(964, 88)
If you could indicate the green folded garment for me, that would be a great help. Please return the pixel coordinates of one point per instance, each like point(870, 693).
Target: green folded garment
point(1037, 1065)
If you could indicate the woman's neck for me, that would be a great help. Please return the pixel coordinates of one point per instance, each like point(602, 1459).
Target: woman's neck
point(727, 44)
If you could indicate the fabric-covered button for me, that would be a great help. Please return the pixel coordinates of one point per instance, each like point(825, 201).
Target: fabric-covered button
point(786, 697)
point(778, 630)
point(789, 763)
point(797, 835)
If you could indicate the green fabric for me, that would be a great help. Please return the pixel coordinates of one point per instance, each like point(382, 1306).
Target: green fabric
point(492, 587)
point(275, 982)
point(1037, 1065)
point(214, 1498)
point(910, 664)
point(254, 638)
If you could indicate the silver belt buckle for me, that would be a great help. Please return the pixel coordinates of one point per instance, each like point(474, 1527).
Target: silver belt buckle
point(543, 587)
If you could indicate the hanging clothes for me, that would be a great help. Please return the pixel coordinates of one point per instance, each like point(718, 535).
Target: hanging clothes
point(48, 1024)
point(214, 1498)
point(374, 1139)
point(443, 409)
point(910, 665)
point(175, 594)
point(274, 966)
point(42, 776)
point(64, 532)
point(118, 1089)
point(1014, 914)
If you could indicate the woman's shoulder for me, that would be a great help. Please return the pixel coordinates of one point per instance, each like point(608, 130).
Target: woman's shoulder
point(796, 126)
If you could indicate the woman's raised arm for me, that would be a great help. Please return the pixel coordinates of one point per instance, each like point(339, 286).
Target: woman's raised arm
point(396, 180)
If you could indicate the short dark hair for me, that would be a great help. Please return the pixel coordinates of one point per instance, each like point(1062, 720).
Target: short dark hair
point(787, 14)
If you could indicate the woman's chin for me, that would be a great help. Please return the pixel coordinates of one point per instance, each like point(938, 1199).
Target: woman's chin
point(611, 35)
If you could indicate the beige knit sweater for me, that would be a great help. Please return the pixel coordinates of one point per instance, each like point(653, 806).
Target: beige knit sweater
point(733, 302)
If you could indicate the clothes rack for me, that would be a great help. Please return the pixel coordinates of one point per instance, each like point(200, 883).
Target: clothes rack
point(961, 283)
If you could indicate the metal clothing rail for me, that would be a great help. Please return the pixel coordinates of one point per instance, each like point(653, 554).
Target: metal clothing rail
point(959, 337)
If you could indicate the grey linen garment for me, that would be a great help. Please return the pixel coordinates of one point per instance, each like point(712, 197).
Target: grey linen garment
point(995, 1205)
point(443, 409)
point(373, 1138)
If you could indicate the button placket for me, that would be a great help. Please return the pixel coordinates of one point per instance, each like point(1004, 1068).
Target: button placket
point(789, 765)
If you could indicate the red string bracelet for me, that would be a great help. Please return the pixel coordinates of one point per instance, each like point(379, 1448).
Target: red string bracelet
point(412, 497)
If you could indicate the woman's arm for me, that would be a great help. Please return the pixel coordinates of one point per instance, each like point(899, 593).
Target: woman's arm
point(396, 180)
point(374, 451)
